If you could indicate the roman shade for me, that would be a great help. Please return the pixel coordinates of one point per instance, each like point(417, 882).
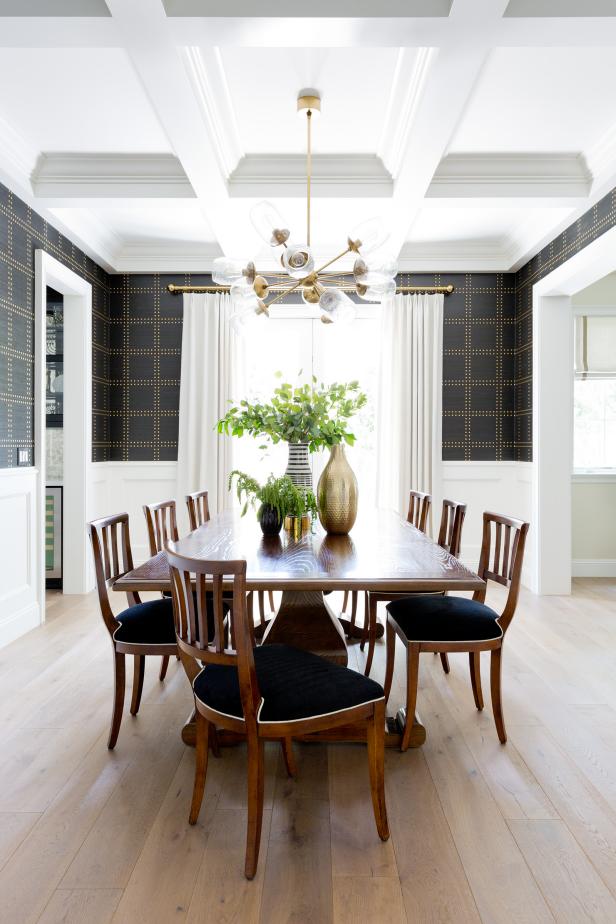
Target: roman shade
point(595, 347)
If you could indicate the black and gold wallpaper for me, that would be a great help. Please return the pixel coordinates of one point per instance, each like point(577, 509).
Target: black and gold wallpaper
point(22, 231)
point(591, 225)
point(478, 364)
point(137, 335)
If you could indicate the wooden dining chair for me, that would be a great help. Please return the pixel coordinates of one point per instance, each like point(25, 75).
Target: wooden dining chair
point(427, 622)
point(271, 692)
point(198, 514)
point(198, 509)
point(142, 629)
point(418, 512)
point(162, 526)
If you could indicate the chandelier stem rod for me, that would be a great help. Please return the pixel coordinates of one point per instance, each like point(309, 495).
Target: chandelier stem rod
point(308, 174)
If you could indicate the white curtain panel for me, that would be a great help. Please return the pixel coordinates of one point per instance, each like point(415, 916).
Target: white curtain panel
point(410, 401)
point(212, 364)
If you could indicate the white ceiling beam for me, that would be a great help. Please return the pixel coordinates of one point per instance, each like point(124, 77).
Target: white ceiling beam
point(511, 176)
point(382, 32)
point(59, 176)
point(449, 80)
point(333, 175)
point(336, 32)
point(164, 76)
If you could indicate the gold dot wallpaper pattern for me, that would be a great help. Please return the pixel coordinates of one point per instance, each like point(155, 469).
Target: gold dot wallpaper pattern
point(22, 231)
point(588, 227)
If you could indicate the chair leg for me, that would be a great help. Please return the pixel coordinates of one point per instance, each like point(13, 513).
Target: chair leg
point(138, 675)
point(289, 757)
point(376, 767)
point(164, 664)
point(354, 598)
point(255, 804)
point(366, 633)
point(270, 594)
point(213, 740)
point(345, 600)
point(474, 660)
point(119, 666)
point(261, 596)
point(412, 679)
point(495, 690)
point(445, 661)
point(390, 659)
point(372, 624)
point(201, 755)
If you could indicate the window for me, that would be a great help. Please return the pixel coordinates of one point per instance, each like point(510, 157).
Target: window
point(594, 404)
point(295, 342)
point(595, 424)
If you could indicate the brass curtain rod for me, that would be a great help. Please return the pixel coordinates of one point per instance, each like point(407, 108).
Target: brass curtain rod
point(178, 290)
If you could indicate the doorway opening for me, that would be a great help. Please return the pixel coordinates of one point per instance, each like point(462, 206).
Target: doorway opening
point(68, 388)
point(553, 430)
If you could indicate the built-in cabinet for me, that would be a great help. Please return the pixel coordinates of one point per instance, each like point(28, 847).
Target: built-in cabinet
point(54, 437)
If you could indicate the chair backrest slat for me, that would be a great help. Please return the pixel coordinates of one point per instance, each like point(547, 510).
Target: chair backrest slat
point(507, 558)
point(186, 572)
point(162, 524)
point(450, 531)
point(198, 508)
point(419, 508)
point(109, 564)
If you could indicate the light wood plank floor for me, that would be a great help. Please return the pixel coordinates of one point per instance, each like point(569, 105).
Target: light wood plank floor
point(480, 832)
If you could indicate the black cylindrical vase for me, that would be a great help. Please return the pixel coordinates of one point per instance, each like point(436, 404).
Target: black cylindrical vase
point(271, 523)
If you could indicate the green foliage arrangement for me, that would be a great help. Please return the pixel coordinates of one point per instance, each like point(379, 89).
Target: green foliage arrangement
point(286, 498)
point(314, 414)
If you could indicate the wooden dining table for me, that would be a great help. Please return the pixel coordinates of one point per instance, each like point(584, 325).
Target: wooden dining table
point(382, 553)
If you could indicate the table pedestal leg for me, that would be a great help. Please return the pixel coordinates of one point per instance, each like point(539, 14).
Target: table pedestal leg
point(305, 620)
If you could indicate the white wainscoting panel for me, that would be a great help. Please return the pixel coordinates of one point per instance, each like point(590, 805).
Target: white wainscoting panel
point(20, 608)
point(124, 487)
point(500, 487)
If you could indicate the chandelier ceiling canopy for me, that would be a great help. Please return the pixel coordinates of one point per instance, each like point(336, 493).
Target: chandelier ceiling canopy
point(371, 278)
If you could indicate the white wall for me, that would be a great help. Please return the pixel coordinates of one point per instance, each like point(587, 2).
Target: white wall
point(19, 604)
point(594, 526)
point(498, 487)
point(119, 487)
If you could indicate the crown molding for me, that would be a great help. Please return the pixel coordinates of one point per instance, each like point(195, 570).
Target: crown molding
point(601, 157)
point(518, 176)
point(411, 71)
point(125, 176)
point(17, 156)
point(163, 257)
point(456, 256)
point(335, 175)
point(206, 72)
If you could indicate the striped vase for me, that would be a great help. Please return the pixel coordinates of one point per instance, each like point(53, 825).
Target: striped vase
point(298, 466)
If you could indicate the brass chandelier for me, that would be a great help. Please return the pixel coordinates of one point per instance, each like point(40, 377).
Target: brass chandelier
point(253, 292)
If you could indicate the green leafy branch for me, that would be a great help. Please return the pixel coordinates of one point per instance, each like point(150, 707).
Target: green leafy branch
point(314, 414)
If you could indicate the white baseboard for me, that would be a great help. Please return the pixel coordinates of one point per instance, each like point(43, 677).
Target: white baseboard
point(19, 623)
point(594, 567)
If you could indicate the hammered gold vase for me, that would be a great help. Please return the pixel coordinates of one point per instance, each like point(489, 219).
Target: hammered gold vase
point(337, 494)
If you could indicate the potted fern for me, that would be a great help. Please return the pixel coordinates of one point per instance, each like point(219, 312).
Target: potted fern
point(280, 501)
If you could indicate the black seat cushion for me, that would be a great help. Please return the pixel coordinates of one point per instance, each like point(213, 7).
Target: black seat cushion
point(151, 623)
point(294, 685)
point(432, 618)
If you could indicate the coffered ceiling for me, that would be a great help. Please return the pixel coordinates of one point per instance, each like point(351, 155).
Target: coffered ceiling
point(146, 130)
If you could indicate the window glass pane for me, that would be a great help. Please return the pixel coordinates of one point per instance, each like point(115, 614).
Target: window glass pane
point(594, 424)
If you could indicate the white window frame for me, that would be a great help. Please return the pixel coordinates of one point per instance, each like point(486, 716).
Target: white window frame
point(592, 475)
